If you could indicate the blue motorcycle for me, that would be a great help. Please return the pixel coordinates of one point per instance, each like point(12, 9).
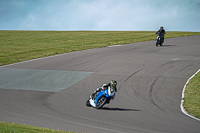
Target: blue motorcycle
point(101, 98)
point(159, 40)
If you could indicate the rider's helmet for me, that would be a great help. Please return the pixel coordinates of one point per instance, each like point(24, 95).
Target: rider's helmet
point(113, 83)
point(161, 28)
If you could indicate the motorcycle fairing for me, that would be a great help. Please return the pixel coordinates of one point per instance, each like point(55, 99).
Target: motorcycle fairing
point(109, 94)
point(92, 103)
point(100, 94)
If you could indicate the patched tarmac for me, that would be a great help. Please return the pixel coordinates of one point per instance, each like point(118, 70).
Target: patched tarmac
point(39, 80)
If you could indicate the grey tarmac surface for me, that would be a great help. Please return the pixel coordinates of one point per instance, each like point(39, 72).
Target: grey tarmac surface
point(150, 83)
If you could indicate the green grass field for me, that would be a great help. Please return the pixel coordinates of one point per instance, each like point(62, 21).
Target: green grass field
point(18, 46)
point(192, 96)
point(17, 128)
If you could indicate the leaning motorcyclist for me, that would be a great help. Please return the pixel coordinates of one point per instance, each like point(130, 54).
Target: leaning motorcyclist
point(104, 87)
point(162, 33)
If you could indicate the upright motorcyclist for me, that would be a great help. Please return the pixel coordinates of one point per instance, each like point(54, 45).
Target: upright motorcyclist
point(112, 84)
point(162, 33)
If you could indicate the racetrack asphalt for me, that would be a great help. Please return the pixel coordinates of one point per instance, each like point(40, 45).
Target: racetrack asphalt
point(150, 83)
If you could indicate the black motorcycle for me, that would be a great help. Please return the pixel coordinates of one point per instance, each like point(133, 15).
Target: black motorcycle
point(159, 40)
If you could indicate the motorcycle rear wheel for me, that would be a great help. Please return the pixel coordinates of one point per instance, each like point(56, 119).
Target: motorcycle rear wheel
point(101, 102)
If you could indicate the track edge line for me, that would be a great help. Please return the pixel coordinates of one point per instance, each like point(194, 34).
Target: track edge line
point(182, 101)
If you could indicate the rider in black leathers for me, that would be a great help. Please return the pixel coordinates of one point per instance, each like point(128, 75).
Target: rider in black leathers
point(162, 32)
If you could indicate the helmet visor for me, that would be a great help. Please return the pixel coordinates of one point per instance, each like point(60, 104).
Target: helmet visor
point(113, 85)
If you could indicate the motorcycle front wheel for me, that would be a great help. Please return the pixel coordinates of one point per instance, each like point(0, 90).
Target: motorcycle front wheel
point(88, 103)
point(101, 102)
point(156, 43)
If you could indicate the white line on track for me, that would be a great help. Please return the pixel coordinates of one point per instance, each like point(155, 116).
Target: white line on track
point(114, 46)
point(182, 101)
point(36, 59)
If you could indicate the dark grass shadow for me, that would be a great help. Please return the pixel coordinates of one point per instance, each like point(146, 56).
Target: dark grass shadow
point(119, 109)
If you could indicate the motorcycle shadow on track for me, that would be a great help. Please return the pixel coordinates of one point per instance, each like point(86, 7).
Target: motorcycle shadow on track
point(167, 45)
point(118, 109)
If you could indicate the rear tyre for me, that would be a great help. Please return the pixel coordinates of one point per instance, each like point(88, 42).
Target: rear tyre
point(162, 41)
point(88, 103)
point(101, 102)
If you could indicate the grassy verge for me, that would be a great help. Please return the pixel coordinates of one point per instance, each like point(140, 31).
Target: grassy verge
point(18, 46)
point(16, 128)
point(192, 96)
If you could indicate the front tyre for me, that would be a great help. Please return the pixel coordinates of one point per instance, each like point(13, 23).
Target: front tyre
point(101, 102)
point(88, 103)
point(157, 43)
